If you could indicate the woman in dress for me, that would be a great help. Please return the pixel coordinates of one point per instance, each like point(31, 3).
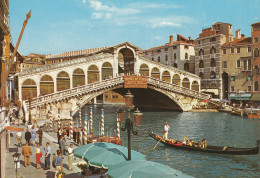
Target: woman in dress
point(33, 135)
point(38, 156)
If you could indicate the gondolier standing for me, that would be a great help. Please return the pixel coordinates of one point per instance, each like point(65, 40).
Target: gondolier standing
point(166, 129)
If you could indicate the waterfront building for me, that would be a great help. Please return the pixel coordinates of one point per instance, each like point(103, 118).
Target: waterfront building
point(32, 60)
point(208, 64)
point(255, 29)
point(236, 68)
point(179, 53)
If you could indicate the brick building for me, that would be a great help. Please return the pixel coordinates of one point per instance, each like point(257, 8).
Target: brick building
point(179, 53)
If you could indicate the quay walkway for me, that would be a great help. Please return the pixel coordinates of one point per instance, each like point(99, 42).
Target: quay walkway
point(31, 171)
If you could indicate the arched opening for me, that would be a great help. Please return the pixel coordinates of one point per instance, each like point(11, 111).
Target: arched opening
point(186, 56)
point(78, 77)
point(186, 67)
point(155, 73)
point(93, 74)
point(212, 50)
point(126, 61)
point(166, 76)
point(201, 52)
point(195, 86)
point(201, 75)
point(256, 86)
point(212, 74)
point(46, 85)
point(225, 85)
point(63, 81)
point(213, 62)
point(176, 79)
point(186, 83)
point(29, 89)
point(159, 59)
point(256, 70)
point(256, 52)
point(144, 70)
point(107, 70)
point(201, 64)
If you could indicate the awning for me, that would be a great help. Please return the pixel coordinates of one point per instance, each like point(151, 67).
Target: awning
point(14, 129)
point(255, 97)
point(240, 96)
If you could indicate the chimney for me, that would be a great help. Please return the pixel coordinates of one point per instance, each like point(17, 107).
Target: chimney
point(189, 38)
point(171, 39)
point(243, 36)
point(238, 34)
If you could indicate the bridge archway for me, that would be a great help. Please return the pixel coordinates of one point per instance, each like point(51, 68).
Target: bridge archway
point(29, 89)
point(186, 83)
point(63, 81)
point(78, 77)
point(144, 70)
point(155, 73)
point(107, 70)
point(93, 74)
point(126, 56)
point(46, 85)
point(166, 76)
point(195, 86)
point(176, 79)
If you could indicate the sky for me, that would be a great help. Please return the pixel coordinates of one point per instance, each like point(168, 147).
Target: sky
point(58, 26)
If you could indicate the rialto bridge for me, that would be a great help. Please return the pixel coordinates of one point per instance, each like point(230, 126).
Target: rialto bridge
point(70, 85)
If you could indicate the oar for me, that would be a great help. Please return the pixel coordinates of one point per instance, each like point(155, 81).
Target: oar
point(156, 143)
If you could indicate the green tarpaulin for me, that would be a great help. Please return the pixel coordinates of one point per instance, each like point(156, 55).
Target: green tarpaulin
point(240, 96)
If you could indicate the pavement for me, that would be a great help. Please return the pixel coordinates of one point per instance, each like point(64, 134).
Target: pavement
point(31, 171)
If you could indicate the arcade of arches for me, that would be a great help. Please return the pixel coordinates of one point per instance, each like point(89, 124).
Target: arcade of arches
point(126, 61)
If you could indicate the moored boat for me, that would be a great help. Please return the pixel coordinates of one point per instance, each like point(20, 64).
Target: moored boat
point(209, 149)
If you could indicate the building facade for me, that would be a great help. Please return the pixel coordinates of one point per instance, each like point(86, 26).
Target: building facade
point(179, 53)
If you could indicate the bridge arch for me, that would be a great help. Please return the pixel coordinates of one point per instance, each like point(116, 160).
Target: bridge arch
point(127, 56)
point(166, 76)
point(155, 73)
point(63, 81)
point(186, 82)
point(106, 70)
point(78, 77)
point(144, 69)
point(93, 74)
point(29, 89)
point(46, 85)
point(176, 79)
point(195, 85)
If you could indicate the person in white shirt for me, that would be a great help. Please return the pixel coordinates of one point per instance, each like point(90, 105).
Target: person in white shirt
point(19, 137)
point(70, 156)
point(166, 129)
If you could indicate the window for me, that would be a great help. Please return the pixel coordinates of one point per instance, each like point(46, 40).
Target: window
point(224, 64)
point(232, 50)
point(249, 49)
point(256, 52)
point(256, 86)
point(232, 78)
point(245, 64)
point(212, 74)
point(238, 63)
point(201, 64)
point(186, 66)
point(232, 88)
point(256, 40)
point(152, 59)
point(159, 60)
point(238, 50)
point(249, 78)
point(224, 51)
point(256, 70)
point(200, 41)
point(106, 96)
point(166, 49)
point(249, 88)
point(166, 58)
point(212, 39)
point(175, 65)
point(201, 52)
point(186, 55)
point(249, 65)
point(186, 47)
point(174, 47)
point(213, 63)
point(158, 50)
point(212, 50)
point(201, 75)
point(27, 66)
point(174, 56)
point(115, 96)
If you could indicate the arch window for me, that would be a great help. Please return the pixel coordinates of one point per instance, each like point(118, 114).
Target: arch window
point(212, 50)
point(186, 56)
point(126, 61)
point(144, 70)
point(176, 79)
point(159, 59)
point(93, 74)
point(201, 64)
point(256, 86)
point(78, 77)
point(63, 81)
point(186, 83)
point(166, 76)
point(213, 63)
point(256, 52)
point(238, 63)
point(46, 85)
point(256, 70)
point(29, 89)
point(212, 74)
point(107, 70)
point(175, 56)
point(152, 59)
point(201, 52)
point(195, 86)
point(155, 73)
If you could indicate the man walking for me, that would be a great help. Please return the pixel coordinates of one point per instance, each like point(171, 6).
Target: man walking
point(40, 135)
point(27, 152)
point(19, 137)
point(62, 145)
point(47, 155)
point(58, 164)
point(70, 156)
point(28, 136)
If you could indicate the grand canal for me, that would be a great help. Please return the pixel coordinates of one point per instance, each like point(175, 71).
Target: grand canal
point(217, 128)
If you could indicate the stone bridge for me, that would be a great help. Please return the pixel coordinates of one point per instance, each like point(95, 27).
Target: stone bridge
point(75, 82)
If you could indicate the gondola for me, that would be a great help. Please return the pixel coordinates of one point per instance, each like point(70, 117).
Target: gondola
point(209, 149)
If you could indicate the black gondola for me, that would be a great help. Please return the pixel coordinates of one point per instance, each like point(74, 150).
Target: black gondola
point(209, 148)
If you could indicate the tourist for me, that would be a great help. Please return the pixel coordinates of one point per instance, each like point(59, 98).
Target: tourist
point(166, 129)
point(38, 156)
point(59, 134)
point(70, 156)
point(19, 137)
point(47, 155)
point(33, 135)
point(28, 136)
point(40, 135)
point(62, 145)
point(58, 164)
point(27, 152)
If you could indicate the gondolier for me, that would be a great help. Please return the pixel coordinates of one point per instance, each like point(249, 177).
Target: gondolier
point(166, 129)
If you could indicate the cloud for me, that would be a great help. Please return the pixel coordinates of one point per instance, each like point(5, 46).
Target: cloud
point(146, 5)
point(172, 21)
point(165, 24)
point(84, 1)
point(97, 15)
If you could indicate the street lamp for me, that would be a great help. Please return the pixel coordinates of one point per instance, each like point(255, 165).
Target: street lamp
point(129, 124)
point(16, 157)
point(30, 116)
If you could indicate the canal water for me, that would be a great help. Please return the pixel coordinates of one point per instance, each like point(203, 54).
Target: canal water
point(220, 129)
